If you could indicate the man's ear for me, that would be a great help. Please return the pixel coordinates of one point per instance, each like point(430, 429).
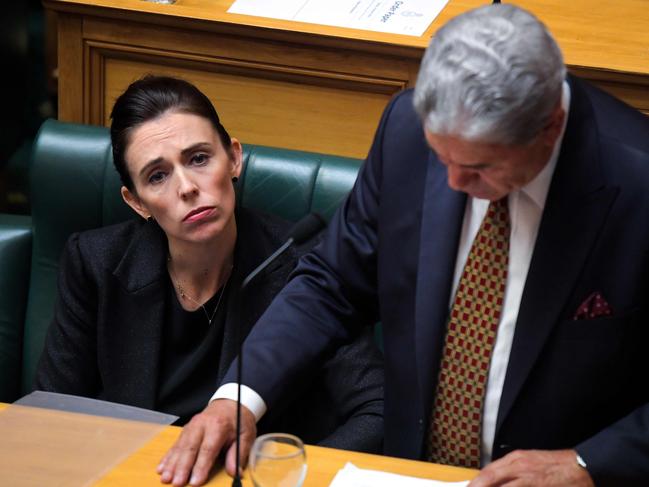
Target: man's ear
point(236, 157)
point(134, 202)
point(552, 131)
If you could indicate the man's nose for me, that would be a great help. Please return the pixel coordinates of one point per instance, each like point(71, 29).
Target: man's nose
point(458, 177)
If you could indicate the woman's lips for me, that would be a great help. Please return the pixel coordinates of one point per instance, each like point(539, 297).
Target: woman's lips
point(198, 214)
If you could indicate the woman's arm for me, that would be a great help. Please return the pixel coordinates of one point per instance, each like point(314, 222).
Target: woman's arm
point(340, 404)
point(353, 380)
point(68, 363)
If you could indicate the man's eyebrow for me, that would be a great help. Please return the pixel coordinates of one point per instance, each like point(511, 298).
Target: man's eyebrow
point(480, 165)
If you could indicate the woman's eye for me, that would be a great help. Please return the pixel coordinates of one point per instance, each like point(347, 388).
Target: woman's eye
point(199, 159)
point(157, 177)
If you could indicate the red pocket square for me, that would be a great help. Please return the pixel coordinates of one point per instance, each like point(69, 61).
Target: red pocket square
point(593, 306)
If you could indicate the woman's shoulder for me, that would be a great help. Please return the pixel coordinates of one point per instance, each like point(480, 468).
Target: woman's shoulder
point(105, 244)
point(109, 236)
point(275, 230)
point(258, 222)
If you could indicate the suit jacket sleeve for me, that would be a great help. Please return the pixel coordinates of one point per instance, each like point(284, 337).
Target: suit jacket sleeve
point(68, 364)
point(619, 454)
point(330, 296)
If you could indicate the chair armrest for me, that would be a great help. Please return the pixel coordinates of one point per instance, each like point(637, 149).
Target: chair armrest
point(15, 262)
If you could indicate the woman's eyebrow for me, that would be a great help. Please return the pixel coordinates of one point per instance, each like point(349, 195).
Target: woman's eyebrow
point(194, 147)
point(152, 162)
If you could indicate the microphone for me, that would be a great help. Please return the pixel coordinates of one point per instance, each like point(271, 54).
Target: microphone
point(303, 230)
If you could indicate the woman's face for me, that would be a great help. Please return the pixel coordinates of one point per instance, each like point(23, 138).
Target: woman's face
point(182, 176)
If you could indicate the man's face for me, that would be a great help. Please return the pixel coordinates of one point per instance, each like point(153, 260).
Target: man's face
point(485, 170)
point(491, 171)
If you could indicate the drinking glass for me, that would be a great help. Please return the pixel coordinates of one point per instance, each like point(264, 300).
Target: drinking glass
point(277, 460)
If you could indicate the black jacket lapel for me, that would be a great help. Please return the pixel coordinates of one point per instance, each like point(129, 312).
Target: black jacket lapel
point(576, 208)
point(138, 319)
point(441, 226)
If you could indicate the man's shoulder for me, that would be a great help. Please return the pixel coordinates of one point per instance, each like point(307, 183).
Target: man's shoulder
point(402, 132)
point(402, 111)
point(617, 122)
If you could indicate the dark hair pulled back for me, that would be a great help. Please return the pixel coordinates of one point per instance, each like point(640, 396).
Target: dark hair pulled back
point(149, 98)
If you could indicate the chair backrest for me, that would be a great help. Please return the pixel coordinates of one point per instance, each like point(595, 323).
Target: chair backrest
point(74, 187)
point(15, 255)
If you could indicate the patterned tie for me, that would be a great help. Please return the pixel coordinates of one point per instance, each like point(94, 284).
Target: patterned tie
point(456, 421)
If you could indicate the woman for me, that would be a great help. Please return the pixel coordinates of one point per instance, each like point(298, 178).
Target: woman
point(147, 310)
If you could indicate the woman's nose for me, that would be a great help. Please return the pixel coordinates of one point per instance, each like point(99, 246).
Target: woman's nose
point(186, 185)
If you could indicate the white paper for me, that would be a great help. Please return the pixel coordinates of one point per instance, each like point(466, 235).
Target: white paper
point(409, 17)
point(352, 476)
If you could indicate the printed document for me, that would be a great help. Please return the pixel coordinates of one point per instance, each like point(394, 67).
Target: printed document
point(352, 476)
point(409, 17)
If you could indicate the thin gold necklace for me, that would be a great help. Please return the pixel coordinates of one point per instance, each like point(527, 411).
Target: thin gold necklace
point(183, 293)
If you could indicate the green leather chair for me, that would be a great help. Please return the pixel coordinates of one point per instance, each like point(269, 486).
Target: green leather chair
point(74, 187)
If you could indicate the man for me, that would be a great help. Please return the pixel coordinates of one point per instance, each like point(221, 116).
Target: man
point(509, 267)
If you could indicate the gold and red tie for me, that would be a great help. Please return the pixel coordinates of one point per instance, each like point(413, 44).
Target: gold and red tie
point(457, 411)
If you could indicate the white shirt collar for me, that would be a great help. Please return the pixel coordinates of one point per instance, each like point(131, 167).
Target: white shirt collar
point(537, 189)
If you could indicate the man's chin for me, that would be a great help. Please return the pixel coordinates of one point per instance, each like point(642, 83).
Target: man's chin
point(486, 195)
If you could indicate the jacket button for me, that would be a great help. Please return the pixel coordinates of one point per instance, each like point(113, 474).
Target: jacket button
point(504, 449)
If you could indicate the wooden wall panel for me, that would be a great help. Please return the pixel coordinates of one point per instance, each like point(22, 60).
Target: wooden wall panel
point(270, 112)
point(70, 59)
point(306, 86)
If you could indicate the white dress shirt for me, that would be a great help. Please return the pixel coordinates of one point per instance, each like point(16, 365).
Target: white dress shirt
point(525, 209)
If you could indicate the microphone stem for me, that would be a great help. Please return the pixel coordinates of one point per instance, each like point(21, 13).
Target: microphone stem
point(236, 481)
point(263, 265)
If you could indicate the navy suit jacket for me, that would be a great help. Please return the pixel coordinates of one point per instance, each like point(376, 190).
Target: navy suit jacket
point(389, 256)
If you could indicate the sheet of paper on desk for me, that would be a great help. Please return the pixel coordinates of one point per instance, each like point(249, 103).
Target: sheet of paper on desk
point(352, 476)
point(409, 17)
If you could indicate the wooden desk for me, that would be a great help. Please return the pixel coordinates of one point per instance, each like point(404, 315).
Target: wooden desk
point(323, 463)
point(305, 86)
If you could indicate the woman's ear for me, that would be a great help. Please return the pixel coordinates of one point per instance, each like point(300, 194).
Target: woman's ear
point(236, 158)
point(134, 202)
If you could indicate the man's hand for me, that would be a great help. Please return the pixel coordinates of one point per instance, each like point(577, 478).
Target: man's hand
point(201, 441)
point(532, 468)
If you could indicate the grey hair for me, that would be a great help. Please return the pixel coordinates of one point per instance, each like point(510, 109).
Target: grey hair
point(493, 74)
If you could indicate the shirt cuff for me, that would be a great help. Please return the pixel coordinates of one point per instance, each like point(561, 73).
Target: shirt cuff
point(249, 398)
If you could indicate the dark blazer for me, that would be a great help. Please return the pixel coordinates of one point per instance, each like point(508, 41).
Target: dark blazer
point(105, 339)
point(389, 255)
